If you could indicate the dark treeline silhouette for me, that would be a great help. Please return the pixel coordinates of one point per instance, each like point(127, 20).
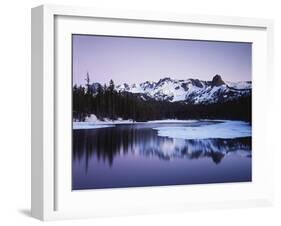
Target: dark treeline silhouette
point(106, 102)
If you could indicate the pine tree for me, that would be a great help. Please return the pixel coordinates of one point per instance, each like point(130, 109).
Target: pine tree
point(87, 79)
point(111, 86)
point(112, 99)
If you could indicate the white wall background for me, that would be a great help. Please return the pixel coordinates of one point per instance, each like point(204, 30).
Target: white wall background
point(15, 111)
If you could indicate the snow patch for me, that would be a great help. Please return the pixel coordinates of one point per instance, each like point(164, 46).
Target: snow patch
point(91, 118)
point(172, 121)
point(224, 130)
point(89, 125)
point(92, 122)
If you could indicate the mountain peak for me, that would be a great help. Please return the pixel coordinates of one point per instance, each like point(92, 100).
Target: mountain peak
point(217, 81)
point(192, 91)
point(164, 79)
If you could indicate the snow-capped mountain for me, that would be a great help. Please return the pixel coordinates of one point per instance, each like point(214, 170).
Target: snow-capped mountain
point(189, 90)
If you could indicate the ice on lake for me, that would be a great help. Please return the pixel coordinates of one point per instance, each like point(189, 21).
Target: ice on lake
point(219, 129)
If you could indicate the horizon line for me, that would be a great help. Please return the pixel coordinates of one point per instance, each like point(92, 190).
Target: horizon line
point(165, 77)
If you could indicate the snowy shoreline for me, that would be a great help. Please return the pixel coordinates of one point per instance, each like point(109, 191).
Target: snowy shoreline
point(109, 123)
point(192, 129)
point(92, 122)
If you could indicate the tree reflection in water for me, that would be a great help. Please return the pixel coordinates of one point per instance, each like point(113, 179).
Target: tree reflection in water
point(107, 143)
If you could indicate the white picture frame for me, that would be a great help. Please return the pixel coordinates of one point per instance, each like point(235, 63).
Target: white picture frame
point(52, 197)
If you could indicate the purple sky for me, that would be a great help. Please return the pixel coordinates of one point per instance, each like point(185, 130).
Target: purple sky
point(135, 60)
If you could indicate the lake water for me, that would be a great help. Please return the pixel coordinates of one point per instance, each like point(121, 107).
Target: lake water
point(133, 155)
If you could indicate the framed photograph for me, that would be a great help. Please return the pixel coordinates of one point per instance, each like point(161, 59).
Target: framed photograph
point(137, 112)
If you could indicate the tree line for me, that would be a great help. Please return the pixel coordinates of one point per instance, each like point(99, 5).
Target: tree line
point(106, 102)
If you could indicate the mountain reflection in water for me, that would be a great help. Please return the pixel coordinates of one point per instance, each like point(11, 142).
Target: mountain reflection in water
point(134, 155)
point(107, 143)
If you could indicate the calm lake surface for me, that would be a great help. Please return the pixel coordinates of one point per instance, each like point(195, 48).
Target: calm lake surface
point(133, 155)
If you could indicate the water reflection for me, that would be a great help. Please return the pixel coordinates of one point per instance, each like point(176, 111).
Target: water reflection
point(134, 155)
point(107, 143)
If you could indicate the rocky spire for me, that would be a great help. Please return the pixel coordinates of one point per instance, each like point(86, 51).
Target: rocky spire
point(217, 81)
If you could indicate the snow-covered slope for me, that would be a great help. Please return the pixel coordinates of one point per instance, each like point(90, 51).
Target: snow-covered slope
point(189, 90)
